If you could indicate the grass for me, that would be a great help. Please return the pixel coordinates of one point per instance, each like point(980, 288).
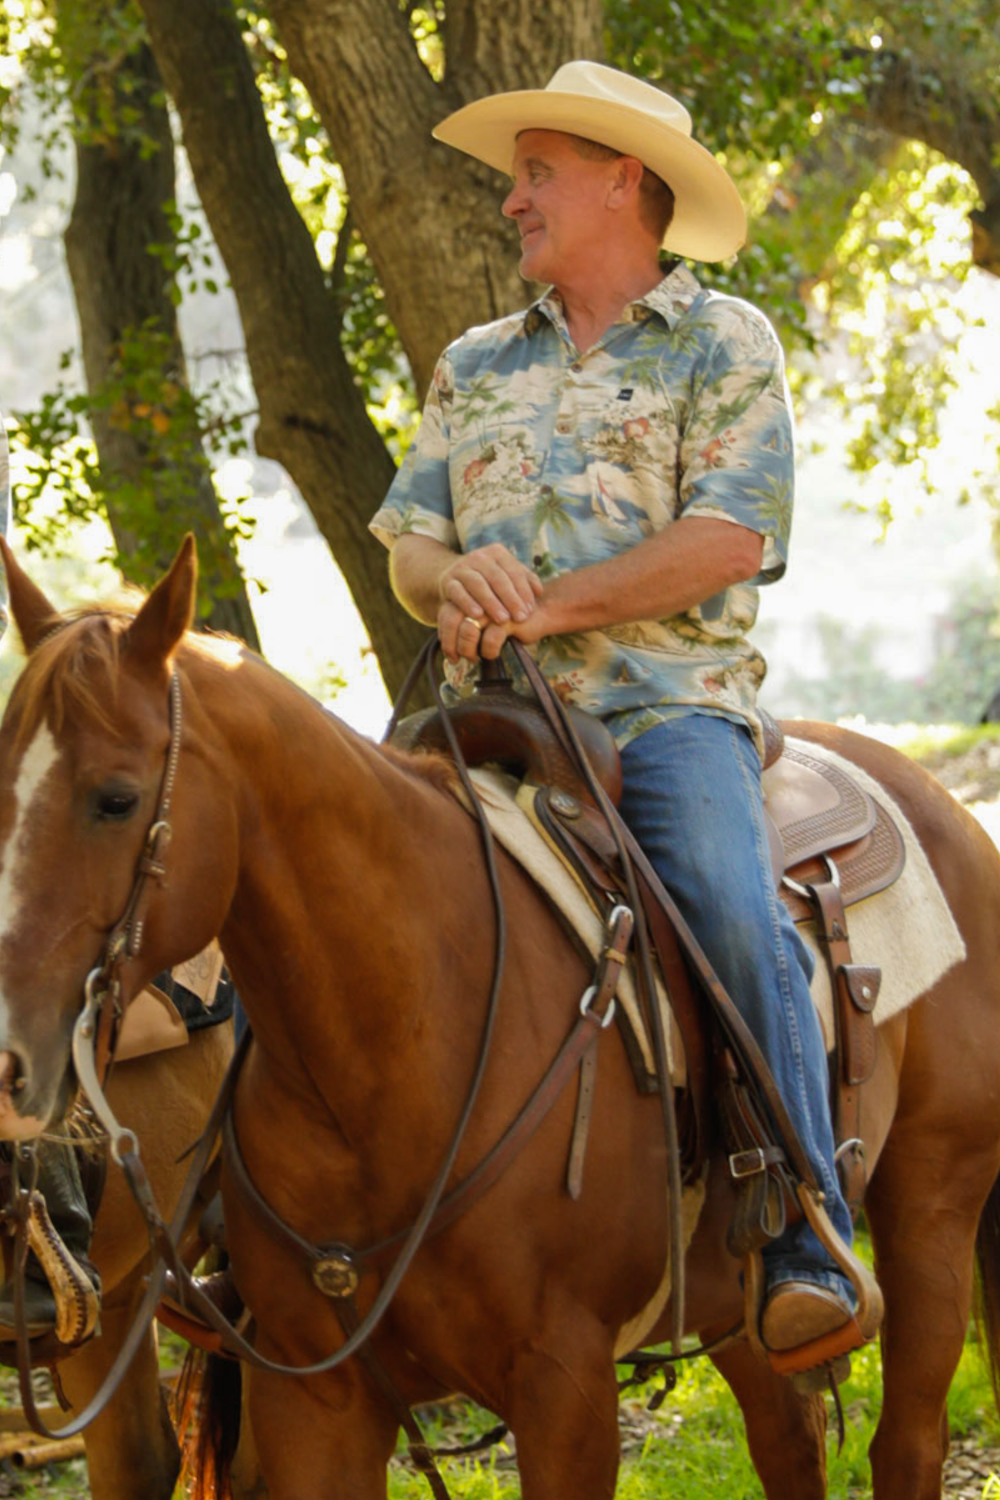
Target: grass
point(694, 1446)
point(929, 742)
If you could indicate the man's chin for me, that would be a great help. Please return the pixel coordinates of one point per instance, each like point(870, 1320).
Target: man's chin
point(531, 268)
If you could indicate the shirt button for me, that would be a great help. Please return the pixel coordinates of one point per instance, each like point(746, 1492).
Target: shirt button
point(564, 427)
point(577, 368)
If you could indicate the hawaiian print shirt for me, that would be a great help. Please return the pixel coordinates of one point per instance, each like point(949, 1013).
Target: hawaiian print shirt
point(680, 409)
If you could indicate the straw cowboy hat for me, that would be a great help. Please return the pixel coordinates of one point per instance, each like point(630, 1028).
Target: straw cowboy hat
point(604, 105)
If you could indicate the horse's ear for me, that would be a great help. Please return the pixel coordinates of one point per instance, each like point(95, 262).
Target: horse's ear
point(159, 627)
point(33, 613)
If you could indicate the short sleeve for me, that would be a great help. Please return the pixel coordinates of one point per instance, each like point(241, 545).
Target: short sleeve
point(737, 452)
point(419, 498)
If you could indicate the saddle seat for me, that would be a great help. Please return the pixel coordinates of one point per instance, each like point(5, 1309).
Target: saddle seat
point(815, 812)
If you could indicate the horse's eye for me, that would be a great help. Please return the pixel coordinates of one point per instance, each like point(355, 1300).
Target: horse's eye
point(113, 806)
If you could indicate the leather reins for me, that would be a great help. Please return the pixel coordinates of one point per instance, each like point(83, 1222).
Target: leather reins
point(93, 1037)
point(336, 1268)
point(93, 1051)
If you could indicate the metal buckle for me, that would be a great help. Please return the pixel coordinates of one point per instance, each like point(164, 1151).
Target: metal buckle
point(585, 1002)
point(808, 891)
point(747, 1163)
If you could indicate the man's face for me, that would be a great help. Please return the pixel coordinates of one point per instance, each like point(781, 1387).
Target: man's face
point(559, 200)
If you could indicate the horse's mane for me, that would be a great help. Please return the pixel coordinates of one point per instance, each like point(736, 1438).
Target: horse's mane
point(76, 668)
point(67, 668)
point(430, 766)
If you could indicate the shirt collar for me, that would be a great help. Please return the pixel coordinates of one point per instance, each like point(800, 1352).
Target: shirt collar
point(670, 298)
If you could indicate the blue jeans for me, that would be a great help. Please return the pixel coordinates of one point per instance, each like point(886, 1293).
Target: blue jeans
point(693, 801)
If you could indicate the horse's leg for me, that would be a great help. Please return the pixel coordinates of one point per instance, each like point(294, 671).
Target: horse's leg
point(923, 1210)
point(132, 1452)
point(561, 1403)
point(320, 1439)
point(939, 1161)
point(786, 1432)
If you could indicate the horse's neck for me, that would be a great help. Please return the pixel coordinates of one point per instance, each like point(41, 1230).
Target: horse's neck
point(332, 935)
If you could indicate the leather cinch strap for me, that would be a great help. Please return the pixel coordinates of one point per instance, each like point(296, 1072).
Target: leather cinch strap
point(855, 990)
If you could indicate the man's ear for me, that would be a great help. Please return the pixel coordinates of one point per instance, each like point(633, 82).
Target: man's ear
point(625, 180)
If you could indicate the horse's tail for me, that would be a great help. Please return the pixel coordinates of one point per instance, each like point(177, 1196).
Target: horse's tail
point(988, 1285)
point(207, 1418)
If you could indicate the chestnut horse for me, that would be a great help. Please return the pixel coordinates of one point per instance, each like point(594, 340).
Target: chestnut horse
point(348, 889)
point(132, 1451)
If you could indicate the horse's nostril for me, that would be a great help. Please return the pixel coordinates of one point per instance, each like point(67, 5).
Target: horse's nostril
point(12, 1079)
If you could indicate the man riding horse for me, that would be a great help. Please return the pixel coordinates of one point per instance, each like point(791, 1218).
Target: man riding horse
point(607, 477)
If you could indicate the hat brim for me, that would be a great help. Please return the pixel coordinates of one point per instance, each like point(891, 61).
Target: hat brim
point(709, 220)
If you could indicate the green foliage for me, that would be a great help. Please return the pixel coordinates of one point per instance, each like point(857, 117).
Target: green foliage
point(895, 291)
point(152, 497)
point(186, 254)
point(851, 231)
point(71, 54)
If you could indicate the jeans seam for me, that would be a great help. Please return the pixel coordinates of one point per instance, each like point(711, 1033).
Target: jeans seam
point(784, 978)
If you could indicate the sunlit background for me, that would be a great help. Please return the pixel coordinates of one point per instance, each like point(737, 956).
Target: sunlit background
point(868, 606)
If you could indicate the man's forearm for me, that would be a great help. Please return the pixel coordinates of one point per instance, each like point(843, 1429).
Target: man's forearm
point(416, 564)
point(673, 571)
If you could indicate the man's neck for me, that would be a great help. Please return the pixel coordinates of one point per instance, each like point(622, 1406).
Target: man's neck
point(593, 304)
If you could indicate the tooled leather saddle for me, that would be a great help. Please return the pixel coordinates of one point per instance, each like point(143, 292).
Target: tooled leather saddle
point(832, 845)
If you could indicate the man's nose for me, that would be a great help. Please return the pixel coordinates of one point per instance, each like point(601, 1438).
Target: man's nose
point(515, 202)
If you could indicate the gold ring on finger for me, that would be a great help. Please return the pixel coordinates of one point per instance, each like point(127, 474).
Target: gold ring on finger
point(471, 620)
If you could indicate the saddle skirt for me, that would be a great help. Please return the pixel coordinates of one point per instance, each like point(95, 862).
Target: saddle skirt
point(818, 802)
point(816, 807)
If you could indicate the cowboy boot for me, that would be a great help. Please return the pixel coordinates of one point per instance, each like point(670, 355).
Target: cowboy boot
point(61, 1230)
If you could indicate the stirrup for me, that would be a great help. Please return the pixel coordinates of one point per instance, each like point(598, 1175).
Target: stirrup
point(825, 1355)
point(76, 1298)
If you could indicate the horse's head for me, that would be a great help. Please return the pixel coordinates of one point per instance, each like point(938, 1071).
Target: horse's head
point(83, 746)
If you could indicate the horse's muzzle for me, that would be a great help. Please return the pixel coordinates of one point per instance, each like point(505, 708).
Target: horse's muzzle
point(15, 1123)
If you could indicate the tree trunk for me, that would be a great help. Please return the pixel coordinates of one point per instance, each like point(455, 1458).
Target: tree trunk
point(312, 415)
point(429, 216)
point(122, 296)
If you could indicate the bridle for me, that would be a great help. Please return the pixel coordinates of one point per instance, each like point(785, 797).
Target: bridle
point(102, 1012)
point(92, 1049)
point(94, 1035)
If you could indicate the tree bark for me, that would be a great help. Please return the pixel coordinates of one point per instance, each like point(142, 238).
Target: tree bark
point(120, 289)
point(431, 223)
point(429, 216)
point(312, 414)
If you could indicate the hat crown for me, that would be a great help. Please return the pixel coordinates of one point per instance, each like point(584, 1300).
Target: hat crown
point(593, 80)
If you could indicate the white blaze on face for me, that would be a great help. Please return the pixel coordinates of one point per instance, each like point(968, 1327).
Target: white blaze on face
point(36, 764)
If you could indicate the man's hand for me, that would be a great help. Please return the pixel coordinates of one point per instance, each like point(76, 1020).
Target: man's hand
point(490, 584)
point(466, 595)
